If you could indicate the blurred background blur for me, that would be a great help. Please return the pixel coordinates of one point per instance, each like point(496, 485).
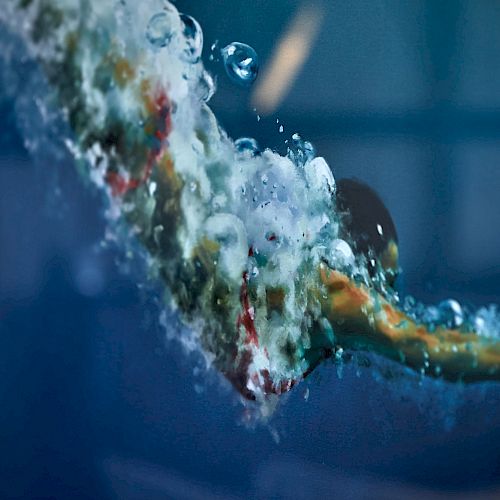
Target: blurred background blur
point(94, 402)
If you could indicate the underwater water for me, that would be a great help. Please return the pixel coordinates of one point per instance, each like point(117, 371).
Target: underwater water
point(99, 406)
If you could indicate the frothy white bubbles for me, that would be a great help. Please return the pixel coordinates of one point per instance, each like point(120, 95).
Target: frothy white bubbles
point(487, 322)
point(300, 151)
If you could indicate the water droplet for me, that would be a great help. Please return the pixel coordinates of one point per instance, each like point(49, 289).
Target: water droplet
point(241, 63)
point(301, 152)
point(247, 146)
point(160, 29)
point(193, 35)
point(451, 313)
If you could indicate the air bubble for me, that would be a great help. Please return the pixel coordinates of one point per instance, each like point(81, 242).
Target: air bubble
point(451, 313)
point(241, 63)
point(247, 146)
point(193, 36)
point(341, 254)
point(160, 29)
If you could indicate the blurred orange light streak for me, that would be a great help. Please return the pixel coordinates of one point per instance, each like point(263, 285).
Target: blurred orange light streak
point(288, 58)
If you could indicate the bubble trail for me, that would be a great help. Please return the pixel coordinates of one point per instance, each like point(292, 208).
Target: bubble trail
point(261, 254)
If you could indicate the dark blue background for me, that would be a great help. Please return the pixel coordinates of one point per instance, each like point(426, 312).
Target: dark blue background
point(95, 403)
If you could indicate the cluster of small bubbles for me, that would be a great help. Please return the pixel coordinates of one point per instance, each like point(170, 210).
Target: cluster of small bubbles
point(300, 151)
point(247, 147)
point(420, 313)
point(431, 317)
point(479, 324)
point(415, 310)
point(241, 63)
point(486, 321)
point(160, 29)
point(448, 313)
point(451, 313)
point(409, 303)
point(193, 36)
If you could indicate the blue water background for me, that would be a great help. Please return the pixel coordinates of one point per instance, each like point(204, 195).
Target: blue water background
point(94, 403)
